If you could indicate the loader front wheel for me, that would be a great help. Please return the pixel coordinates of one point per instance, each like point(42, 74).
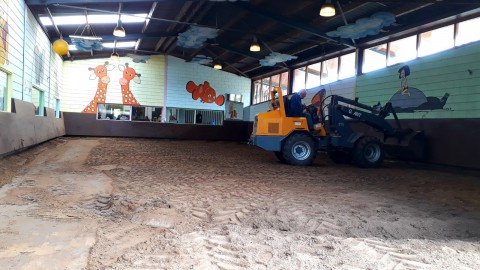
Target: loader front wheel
point(299, 149)
point(368, 152)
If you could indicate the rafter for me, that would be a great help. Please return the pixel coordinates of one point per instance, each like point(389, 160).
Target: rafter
point(286, 21)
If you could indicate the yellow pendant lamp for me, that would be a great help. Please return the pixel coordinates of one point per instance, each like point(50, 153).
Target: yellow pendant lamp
point(60, 46)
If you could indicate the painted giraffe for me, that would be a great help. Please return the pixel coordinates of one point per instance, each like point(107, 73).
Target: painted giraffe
point(128, 75)
point(3, 32)
point(99, 72)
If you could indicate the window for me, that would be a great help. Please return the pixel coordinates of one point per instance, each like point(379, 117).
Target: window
point(347, 66)
point(114, 112)
point(284, 82)
point(436, 41)
point(257, 88)
point(266, 89)
point(57, 108)
point(374, 58)
point(402, 50)
point(235, 97)
point(38, 100)
point(189, 116)
point(467, 32)
point(330, 70)
point(262, 87)
point(275, 81)
point(3, 91)
point(313, 75)
point(147, 113)
point(298, 79)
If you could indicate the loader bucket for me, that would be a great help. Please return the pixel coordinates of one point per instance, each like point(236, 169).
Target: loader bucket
point(410, 146)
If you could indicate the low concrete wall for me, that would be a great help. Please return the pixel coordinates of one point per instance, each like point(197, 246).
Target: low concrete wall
point(452, 142)
point(22, 128)
point(449, 141)
point(80, 124)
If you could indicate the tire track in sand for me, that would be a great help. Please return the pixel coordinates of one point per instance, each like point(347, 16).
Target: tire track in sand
point(387, 256)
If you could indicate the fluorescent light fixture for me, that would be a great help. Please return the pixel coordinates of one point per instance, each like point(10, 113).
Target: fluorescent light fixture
point(120, 44)
point(72, 47)
point(327, 10)
point(46, 21)
point(93, 19)
point(64, 20)
point(217, 66)
point(86, 37)
point(136, 18)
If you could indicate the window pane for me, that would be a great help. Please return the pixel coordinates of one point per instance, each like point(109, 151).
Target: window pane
point(313, 75)
point(347, 66)
point(284, 82)
point(57, 108)
point(114, 112)
point(275, 81)
point(402, 50)
point(38, 100)
point(3, 91)
point(374, 58)
point(298, 79)
point(436, 40)
point(257, 90)
point(468, 32)
point(265, 89)
point(330, 71)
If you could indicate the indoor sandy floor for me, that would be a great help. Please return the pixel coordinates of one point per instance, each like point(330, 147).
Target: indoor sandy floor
point(105, 203)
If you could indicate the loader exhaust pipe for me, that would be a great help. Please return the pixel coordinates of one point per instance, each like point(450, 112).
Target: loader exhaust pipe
point(410, 146)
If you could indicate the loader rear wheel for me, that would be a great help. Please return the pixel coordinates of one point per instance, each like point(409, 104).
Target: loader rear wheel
point(368, 152)
point(279, 156)
point(299, 149)
point(340, 156)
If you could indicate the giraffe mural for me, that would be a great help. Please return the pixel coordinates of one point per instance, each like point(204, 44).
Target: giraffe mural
point(128, 75)
point(3, 32)
point(99, 72)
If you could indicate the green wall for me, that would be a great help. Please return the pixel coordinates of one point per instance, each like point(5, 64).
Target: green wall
point(455, 71)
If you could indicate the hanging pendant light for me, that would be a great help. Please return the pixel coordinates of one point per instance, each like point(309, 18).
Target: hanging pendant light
point(119, 31)
point(255, 47)
point(115, 55)
point(217, 66)
point(60, 46)
point(327, 10)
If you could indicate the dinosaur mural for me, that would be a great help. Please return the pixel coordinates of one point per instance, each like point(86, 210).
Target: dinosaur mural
point(410, 99)
point(205, 92)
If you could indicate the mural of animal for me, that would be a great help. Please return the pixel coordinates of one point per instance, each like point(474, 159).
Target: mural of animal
point(205, 92)
point(409, 99)
point(3, 32)
point(99, 72)
point(128, 75)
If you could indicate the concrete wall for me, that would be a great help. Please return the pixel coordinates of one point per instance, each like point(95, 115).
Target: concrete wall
point(30, 66)
point(448, 141)
point(22, 128)
point(79, 124)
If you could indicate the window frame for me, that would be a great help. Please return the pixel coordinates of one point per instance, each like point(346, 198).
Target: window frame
point(7, 104)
